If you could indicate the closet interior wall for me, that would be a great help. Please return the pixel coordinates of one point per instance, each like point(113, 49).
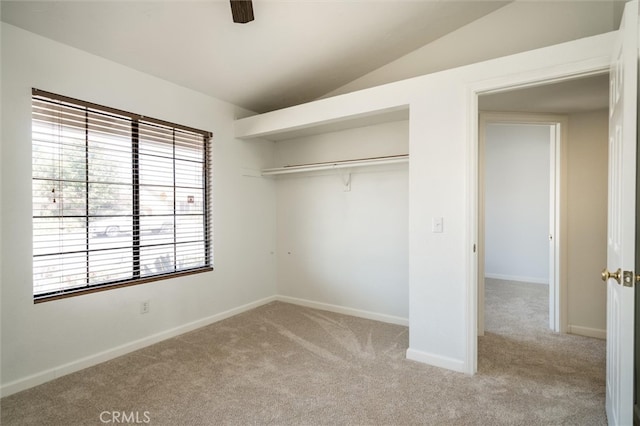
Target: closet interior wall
point(342, 235)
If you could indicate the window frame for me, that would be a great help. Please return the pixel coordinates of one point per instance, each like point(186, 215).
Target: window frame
point(136, 278)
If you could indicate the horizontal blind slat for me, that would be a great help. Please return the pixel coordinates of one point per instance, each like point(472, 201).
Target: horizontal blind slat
point(85, 234)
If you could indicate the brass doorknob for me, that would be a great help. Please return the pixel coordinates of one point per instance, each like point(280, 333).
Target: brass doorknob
point(617, 275)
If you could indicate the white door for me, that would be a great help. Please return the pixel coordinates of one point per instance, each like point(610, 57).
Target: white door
point(620, 275)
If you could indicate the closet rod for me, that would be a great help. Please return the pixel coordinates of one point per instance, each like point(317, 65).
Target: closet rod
point(340, 164)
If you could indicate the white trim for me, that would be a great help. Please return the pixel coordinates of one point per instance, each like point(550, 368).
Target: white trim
point(471, 311)
point(91, 360)
point(532, 280)
point(587, 332)
point(557, 279)
point(391, 319)
point(437, 360)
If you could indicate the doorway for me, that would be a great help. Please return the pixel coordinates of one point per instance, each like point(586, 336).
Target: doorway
point(575, 98)
point(519, 206)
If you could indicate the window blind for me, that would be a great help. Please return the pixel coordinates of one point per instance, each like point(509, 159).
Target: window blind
point(118, 198)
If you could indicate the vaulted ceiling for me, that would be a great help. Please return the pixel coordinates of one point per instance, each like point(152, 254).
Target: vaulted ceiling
point(295, 51)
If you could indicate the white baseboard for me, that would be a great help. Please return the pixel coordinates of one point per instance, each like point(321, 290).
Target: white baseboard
point(436, 360)
point(519, 278)
point(82, 363)
point(77, 365)
point(345, 310)
point(587, 332)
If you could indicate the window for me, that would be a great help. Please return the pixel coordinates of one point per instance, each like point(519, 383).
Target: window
point(118, 198)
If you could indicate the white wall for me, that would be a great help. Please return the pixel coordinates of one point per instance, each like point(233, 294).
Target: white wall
point(517, 168)
point(441, 265)
point(346, 248)
point(443, 125)
point(517, 27)
point(587, 222)
point(40, 342)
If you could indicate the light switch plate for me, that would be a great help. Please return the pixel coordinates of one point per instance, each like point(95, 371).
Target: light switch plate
point(437, 225)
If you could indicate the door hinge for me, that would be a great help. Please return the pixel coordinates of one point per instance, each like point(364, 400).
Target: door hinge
point(628, 278)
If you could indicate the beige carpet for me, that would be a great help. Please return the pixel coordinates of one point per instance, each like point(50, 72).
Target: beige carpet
point(284, 364)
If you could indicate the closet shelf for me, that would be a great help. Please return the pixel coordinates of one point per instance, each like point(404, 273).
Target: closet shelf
point(331, 165)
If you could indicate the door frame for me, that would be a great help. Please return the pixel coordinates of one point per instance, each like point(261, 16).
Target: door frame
point(542, 76)
point(557, 210)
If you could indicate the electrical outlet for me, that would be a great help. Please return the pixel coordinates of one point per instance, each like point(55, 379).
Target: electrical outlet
point(145, 306)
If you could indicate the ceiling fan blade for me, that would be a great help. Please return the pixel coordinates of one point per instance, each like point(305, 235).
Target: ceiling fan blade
point(242, 11)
